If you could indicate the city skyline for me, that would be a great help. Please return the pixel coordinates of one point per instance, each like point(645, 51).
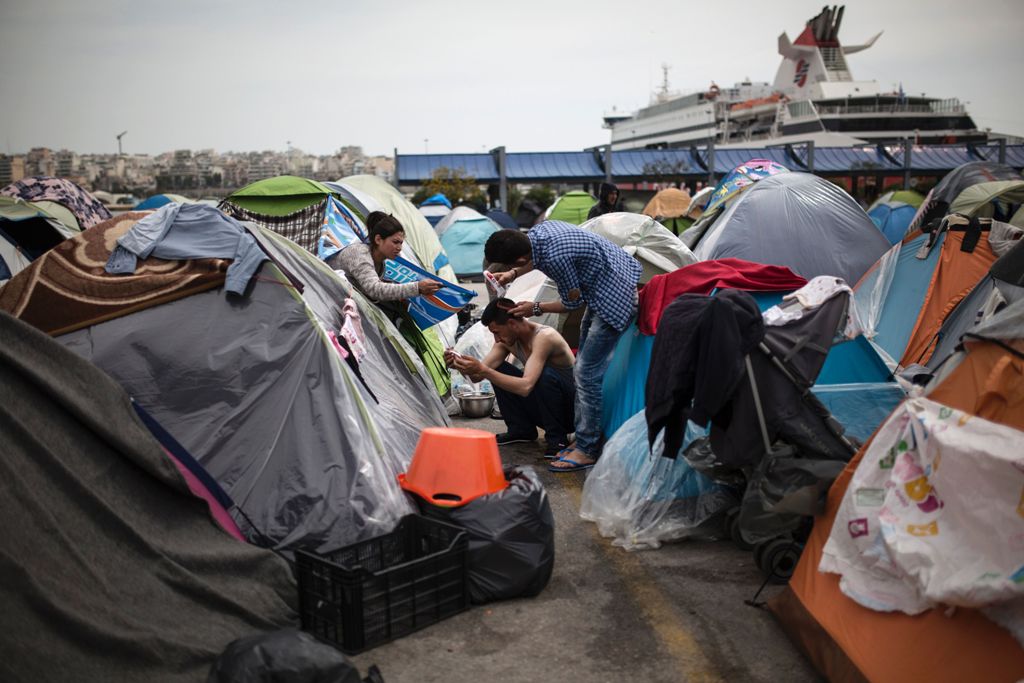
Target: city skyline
point(448, 77)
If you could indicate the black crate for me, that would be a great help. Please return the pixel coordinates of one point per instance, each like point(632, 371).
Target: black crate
point(386, 587)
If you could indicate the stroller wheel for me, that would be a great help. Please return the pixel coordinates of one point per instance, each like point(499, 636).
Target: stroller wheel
point(734, 531)
point(779, 558)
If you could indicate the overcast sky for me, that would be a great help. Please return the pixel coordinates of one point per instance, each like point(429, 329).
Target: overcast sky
point(465, 76)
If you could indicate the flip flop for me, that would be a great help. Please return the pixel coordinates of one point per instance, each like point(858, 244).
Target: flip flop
point(558, 455)
point(576, 466)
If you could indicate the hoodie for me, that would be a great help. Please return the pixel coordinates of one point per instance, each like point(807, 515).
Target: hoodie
point(603, 206)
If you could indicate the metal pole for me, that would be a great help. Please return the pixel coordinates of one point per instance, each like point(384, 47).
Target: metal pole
point(810, 156)
point(711, 162)
point(502, 177)
point(908, 154)
point(394, 180)
point(608, 164)
point(1002, 150)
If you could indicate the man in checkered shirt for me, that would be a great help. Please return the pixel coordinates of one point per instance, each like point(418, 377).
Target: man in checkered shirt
point(588, 269)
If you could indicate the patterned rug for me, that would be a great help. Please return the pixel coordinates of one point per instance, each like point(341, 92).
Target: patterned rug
point(68, 289)
point(87, 209)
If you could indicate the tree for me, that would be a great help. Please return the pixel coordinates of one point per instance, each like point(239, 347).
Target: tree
point(453, 183)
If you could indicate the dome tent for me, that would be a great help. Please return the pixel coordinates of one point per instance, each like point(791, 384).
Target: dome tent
point(463, 233)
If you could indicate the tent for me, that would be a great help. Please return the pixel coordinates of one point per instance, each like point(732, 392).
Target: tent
point(157, 200)
point(435, 207)
point(893, 212)
point(463, 233)
point(26, 232)
point(114, 569)
point(419, 234)
point(258, 386)
point(936, 204)
point(291, 206)
point(642, 237)
point(1001, 200)
point(503, 219)
point(847, 641)
point(670, 207)
point(907, 295)
point(61, 199)
point(797, 220)
point(571, 207)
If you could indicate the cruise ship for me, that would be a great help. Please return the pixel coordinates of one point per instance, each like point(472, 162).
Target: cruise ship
point(814, 98)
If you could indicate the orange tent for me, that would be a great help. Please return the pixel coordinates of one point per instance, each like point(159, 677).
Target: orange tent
point(848, 642)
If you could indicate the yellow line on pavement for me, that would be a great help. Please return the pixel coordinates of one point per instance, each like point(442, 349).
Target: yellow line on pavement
point(690, 660)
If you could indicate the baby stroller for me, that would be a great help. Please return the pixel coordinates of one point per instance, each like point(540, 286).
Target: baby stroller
point(769, 434)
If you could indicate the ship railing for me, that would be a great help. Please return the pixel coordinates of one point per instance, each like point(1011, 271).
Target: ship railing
point(937, 107)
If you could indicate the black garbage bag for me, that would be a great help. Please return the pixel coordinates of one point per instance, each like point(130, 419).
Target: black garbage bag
point(511, 538)
point(286, 656)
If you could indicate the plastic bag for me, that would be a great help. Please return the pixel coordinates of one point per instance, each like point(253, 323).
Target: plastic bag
point(286, 655)
point(641, 499)
point(511, 538)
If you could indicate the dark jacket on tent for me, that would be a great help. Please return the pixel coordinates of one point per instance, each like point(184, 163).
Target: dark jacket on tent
point(698, 356)
point(603, 206)
point(113, 570)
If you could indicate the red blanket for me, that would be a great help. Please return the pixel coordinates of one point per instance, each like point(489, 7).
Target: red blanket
point(703, 278)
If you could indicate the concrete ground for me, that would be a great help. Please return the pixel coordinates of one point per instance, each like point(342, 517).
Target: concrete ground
point(672, 614)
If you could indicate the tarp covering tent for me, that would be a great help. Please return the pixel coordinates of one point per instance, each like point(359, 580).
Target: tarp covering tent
point(435, 207)
point(907, 295)
point(797, 220)
point(893, 211)
point(26, 233)
point(463, 233)
point(157, 200)
point(642, 237)
point(740, 178)
point(846, 641)
point(61, 198)
point(113, 570)
point(669, 207)
point(255, 387)
point(571, 207)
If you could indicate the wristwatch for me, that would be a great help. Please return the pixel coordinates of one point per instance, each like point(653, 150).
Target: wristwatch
point(536, 309)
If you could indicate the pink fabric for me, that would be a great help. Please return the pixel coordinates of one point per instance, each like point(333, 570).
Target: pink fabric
point(705, 276)
point(198, 490)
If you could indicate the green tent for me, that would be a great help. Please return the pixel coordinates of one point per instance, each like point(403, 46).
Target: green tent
point(279, 196)
point(1001, 199)
point(571, 207)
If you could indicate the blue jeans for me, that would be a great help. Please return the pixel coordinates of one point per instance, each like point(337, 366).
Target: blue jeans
point(597, 341)
point(549, 405)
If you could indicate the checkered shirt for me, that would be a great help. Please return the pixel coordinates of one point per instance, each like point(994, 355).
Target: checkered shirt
point(604, 275)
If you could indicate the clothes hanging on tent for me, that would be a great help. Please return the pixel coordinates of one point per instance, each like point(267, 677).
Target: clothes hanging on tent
point(706, 276)
point(698, 356)
point(189, 231)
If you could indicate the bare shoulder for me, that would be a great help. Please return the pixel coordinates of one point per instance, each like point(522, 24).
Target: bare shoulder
point(551, 339)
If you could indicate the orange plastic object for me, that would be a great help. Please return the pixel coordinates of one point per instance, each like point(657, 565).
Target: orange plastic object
point(453, 466)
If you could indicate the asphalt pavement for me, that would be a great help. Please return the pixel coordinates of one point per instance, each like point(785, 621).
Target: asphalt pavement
point(672, 614)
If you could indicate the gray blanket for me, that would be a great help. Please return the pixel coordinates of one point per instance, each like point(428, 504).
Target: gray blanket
point(110, 570)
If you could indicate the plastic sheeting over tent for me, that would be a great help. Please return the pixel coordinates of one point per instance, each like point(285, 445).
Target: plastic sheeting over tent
point(60, 198)
point(796, 220)
point(893, 213)
point(463, 233)
point(642, 237)
point(113, 570)
point(255, 387)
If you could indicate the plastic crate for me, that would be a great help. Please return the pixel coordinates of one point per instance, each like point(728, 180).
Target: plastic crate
point(386, 587)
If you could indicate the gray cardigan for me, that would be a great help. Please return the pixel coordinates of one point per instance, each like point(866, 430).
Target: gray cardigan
point(357, 263)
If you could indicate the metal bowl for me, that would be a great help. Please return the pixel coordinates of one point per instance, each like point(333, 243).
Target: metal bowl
point(476, 405)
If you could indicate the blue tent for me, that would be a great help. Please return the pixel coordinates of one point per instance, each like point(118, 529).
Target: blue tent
point(156, 201)
point(503, 219)
point(893, 213)
point(435, 208)
point(463, 233)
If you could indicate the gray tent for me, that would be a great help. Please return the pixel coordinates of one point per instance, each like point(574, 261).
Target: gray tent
point(112, 569)
point(796, 220)
point(307, 445)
